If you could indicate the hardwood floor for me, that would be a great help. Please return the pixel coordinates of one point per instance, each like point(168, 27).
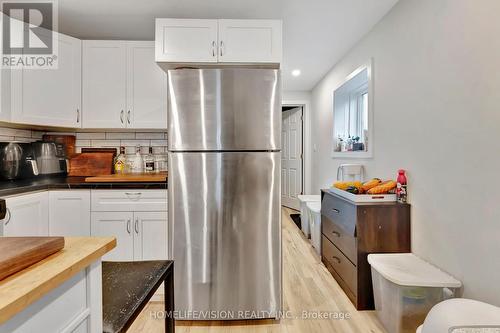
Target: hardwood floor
point(307, 286)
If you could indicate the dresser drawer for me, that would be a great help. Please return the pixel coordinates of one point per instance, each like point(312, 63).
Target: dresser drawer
point(340, 212)
point(346, 243)
point(128, 200)
point(344, 268)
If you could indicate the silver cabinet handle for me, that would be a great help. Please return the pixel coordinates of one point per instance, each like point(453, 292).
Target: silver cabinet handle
point(128, 117)
point(136, 225)
point(77, 116)
point(336, 233)
point(213, 48)
point(128, 226)
point(221, 47)
point(337, 259)
point(7, 219)
point(133, 193)
point(121, 116)
point(335, 210)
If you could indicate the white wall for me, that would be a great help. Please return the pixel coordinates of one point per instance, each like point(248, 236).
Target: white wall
point(437, 114)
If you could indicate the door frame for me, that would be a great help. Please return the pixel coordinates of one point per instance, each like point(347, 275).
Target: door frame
point(306, 139)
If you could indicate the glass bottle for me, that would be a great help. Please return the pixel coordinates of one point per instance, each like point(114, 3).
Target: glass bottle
point(120, 161)
point(149, 161)
point(137, 163)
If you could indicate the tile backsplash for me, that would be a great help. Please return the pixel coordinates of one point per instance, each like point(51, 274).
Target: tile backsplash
point(157, 140)
point(23, 135)
point(97, 139)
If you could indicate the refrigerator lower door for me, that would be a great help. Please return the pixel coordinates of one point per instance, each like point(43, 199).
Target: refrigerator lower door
point(225, 234)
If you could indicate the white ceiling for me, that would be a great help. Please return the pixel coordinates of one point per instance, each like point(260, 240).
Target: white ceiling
point(316, 33)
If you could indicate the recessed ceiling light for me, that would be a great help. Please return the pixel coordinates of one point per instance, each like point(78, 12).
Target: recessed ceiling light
point(296, 72)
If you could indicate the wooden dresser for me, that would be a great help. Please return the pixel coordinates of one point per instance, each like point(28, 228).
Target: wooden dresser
point(350, 231)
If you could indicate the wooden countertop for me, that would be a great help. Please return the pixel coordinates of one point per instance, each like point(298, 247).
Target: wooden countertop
point(20, 290)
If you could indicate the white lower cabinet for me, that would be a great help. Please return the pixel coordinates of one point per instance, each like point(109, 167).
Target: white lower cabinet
point(27, 215)
point(69, 213)
point(139, 235)
point(119, 225)
point(138, 220)
point(150, 236)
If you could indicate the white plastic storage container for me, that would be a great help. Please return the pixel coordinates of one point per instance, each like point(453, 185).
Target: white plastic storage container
point(304, 212)
point(405, 288)
point(315, 221)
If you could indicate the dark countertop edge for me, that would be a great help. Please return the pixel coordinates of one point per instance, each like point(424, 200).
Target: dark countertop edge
point(70, 183)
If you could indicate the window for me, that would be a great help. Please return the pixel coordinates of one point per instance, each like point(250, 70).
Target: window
point(351, 104)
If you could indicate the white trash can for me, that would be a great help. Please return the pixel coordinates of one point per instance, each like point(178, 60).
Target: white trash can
point(405, 289)
point(315, 224)
point(304, 214)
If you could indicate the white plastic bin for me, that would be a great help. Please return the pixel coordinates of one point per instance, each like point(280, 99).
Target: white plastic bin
point(405, 288)
point(304, 213)
point(314, 209)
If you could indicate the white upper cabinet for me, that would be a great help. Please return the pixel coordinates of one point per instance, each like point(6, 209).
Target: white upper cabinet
point(250, 41)
point(50, 97)
point(104, 84)
point(218, 41)
point(185, 40)
point(146, 88)
point(123, 87)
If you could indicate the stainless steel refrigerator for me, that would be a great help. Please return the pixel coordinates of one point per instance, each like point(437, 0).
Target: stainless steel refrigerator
point(224, 130)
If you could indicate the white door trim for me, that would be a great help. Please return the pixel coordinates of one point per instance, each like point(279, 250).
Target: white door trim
point(306, 146)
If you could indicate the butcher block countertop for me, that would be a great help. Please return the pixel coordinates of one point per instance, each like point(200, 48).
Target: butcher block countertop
point(20, 290)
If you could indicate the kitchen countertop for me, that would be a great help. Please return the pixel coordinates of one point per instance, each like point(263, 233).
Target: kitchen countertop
point(68, 183)
point(27, 286)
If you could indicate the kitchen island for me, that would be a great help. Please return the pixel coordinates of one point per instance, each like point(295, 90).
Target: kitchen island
point(61, 293)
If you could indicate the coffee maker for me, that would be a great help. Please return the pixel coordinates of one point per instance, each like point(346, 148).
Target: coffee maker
point(50, 158)
point(17, 161)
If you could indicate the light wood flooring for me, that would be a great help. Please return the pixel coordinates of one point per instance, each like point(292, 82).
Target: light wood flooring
point(307, 286)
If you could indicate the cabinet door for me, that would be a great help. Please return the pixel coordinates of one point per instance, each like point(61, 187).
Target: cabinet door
point(150, 236)
point(250, 41)
point(104, 84)
point(119, 225)
point(185, 40)
point(50, 97)
point(69, 213)
point(146, 88)
point(27, 215)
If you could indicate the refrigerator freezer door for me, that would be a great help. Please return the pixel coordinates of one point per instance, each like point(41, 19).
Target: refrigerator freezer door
point(225, 227)
point(224, 109)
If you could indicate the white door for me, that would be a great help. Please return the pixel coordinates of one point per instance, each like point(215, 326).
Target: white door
point(186, 40)
point(27, 215)
point(146, 88)
point(291, 157)
point(150, 236)
point(69, 213)
point(104, 84)
point(250, 41)
point(119, 225)
point(50, 97)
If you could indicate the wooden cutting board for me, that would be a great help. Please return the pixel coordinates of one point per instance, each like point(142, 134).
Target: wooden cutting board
point(129, 178)
point(17, 253)
point(91, 164)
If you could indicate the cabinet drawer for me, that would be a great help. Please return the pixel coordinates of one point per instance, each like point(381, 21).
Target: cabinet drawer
point(129, 200)
point(346, 243)
point(345, 269)
point(340, 212)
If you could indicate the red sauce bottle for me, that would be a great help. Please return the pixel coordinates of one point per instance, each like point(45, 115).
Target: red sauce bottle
point(401, 189)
